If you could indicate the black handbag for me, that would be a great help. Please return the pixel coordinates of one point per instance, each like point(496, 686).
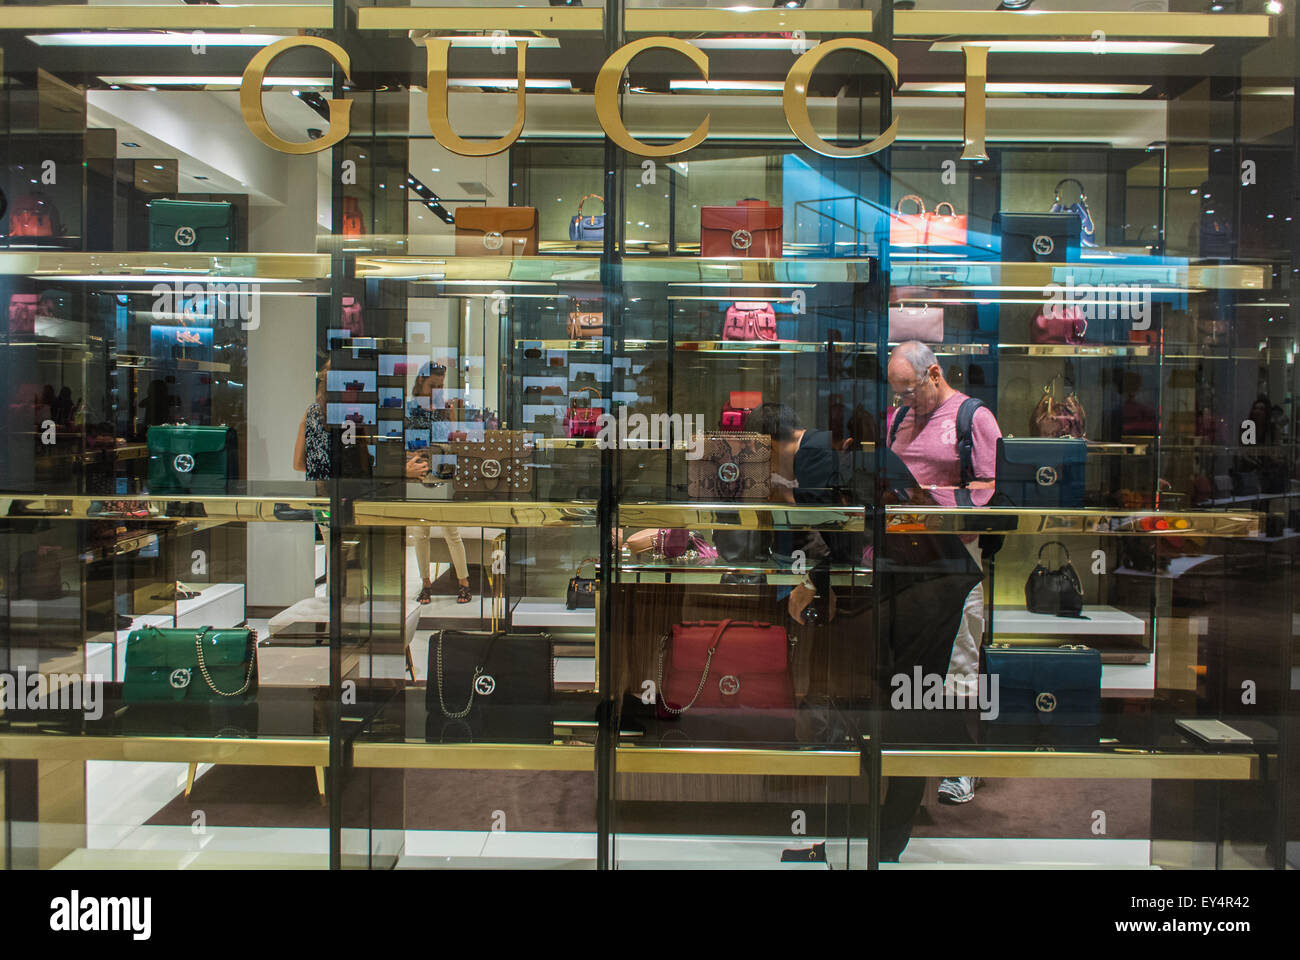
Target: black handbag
point(743, 546)
point(582, 590)
point(489, 687)
point(1056, 591)
point(744, 579)
point(1044, 695)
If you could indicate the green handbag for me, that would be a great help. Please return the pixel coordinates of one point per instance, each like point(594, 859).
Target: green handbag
point(191, 226)
point(202, 665)
point(185, 459)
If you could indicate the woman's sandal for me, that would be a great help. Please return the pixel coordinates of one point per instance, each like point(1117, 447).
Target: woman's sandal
point(463, 595)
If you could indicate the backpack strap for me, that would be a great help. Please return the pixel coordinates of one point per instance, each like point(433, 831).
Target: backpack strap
point(966, 447)
point(898, 422)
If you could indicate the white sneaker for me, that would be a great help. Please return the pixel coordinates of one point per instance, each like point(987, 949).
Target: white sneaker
point(958, 789)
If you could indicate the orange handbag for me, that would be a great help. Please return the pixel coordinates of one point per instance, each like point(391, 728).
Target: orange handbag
point(496, 231)
point(749, 229)
point(908, 228)
point(945, 230)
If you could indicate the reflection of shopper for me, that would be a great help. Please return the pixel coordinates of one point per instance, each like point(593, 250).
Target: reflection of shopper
point(1260, 470)
point(312, 451)
point(419, 538)
point(927, 442)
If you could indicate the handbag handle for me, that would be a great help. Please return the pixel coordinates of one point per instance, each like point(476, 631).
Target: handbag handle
point(591, 389)
point(952, 211)
point(911, 196)
point(1058, 543)
point(582, 563)
point(1083, 195)
point(713, 646)
point(207, 677)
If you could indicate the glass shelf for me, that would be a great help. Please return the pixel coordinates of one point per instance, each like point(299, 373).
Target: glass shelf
point(1014, 521)
point(1173, 276)
point(1075, 350)
point(160, 507)
point(743, 516)
point(587, 346)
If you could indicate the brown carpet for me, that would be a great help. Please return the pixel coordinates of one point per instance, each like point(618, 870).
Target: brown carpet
point(235, 796)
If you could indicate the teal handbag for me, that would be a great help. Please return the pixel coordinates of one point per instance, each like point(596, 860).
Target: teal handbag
point(198, 666)
point(191, 226)
point(191, 460)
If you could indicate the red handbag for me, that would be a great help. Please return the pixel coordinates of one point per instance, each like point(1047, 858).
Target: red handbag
point(750, 320)
point(671, 544)
point(22, 313)
point(737, 409)
point(724, 664)
point(749, 229)
point(35, 216)
point(1058, 324)
point(582, 421)
point(354, 224)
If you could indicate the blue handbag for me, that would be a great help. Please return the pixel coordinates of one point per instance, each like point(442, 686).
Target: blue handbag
point(1079, 208)
point(1046, 687)
point(589, 228)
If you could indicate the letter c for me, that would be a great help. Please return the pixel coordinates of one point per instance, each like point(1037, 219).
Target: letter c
point(250, 97)
point(607, 83)
point(795, 97)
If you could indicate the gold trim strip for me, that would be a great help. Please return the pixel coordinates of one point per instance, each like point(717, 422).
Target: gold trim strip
point(219, 268)
point(1171, 277)
point(472, 513)
point(741, 516)
point(838, 22)
point(80, 16)
point(267, 752)
point(1138, 765)
point(215, 509)
point(961, 24)
point(745, 762)
point(918, 520)
point(474, 756)
point(481, 19)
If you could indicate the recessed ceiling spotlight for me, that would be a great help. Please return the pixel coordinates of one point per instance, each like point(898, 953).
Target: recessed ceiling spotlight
point(127, 143)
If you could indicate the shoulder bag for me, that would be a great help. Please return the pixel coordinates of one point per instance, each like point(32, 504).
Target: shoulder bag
point(734, 466)
point(499, 464)
point(164, 664)
point(1058, 418)
point(496, 231)
point(752, 228)
point(1058, 591)
point(728, 664)
point(584, 322)
point(191, 460)
point(489, 686)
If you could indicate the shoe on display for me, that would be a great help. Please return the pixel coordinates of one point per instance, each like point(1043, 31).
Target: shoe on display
point(958, 789)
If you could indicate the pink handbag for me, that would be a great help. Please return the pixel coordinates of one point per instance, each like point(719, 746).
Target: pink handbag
point(1058, 324)
point(671, 544)
point(916, 323)
point(750, 320)
point(22, 313)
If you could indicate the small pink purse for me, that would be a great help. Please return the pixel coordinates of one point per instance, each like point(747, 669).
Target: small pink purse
point(916, 323)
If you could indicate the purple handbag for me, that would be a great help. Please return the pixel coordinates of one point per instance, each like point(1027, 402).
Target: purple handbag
point(671, 544)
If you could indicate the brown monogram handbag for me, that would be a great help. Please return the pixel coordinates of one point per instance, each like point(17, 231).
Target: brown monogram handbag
point(586, 323)
point(496, 232)
point(735, 466)
point(500, 464)
point(1058, 418)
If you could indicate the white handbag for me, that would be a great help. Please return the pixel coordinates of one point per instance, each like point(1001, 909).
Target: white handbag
point(916, 323)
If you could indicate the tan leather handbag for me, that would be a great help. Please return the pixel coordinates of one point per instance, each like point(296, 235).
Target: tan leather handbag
point(584, 322)
point(734, 466)
point(496, 232)
point(501, 463)
point(1058, 418)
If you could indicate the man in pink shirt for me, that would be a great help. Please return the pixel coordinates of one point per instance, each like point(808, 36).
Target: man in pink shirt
point(929, 440)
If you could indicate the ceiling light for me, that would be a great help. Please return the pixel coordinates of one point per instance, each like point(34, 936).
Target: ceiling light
point(215, 81)
point(763, 85)
point(1140, 47)
point(125, 143)
point(152, 39)
point(1273, 6)
point(1075, 88)
point(1268, 91)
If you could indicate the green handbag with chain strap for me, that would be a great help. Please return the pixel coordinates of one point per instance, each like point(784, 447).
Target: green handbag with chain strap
point(188, 664)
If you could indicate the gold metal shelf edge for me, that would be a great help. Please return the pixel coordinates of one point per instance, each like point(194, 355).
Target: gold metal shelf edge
point(224, 266)
point(1066, 764)
point(472, 513)
point(745, 762)
point(479, 18)
point(250, 751)
point(743, 516)
point(838, 22)
point(215, 509)
point(960, 24)
point(169, 16)
point(474, 756)
point(1061, 522)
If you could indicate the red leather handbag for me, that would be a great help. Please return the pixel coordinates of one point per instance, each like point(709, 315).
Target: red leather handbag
point(749, 229)
point(582, 421)
point(1058, 324)
point(354, 225)
point(737, 409)
point(34, 215)
point(750, 320)
point(22, 313)
point(726, 664)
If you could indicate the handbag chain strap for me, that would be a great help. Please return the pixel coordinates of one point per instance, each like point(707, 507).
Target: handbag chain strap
point(473, 686)
point(713, 646)
point(207, 677)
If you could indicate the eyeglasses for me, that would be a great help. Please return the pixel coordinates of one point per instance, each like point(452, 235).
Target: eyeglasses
point(910, 392)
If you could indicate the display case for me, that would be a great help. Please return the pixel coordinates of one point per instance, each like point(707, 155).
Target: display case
point(648, 434)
